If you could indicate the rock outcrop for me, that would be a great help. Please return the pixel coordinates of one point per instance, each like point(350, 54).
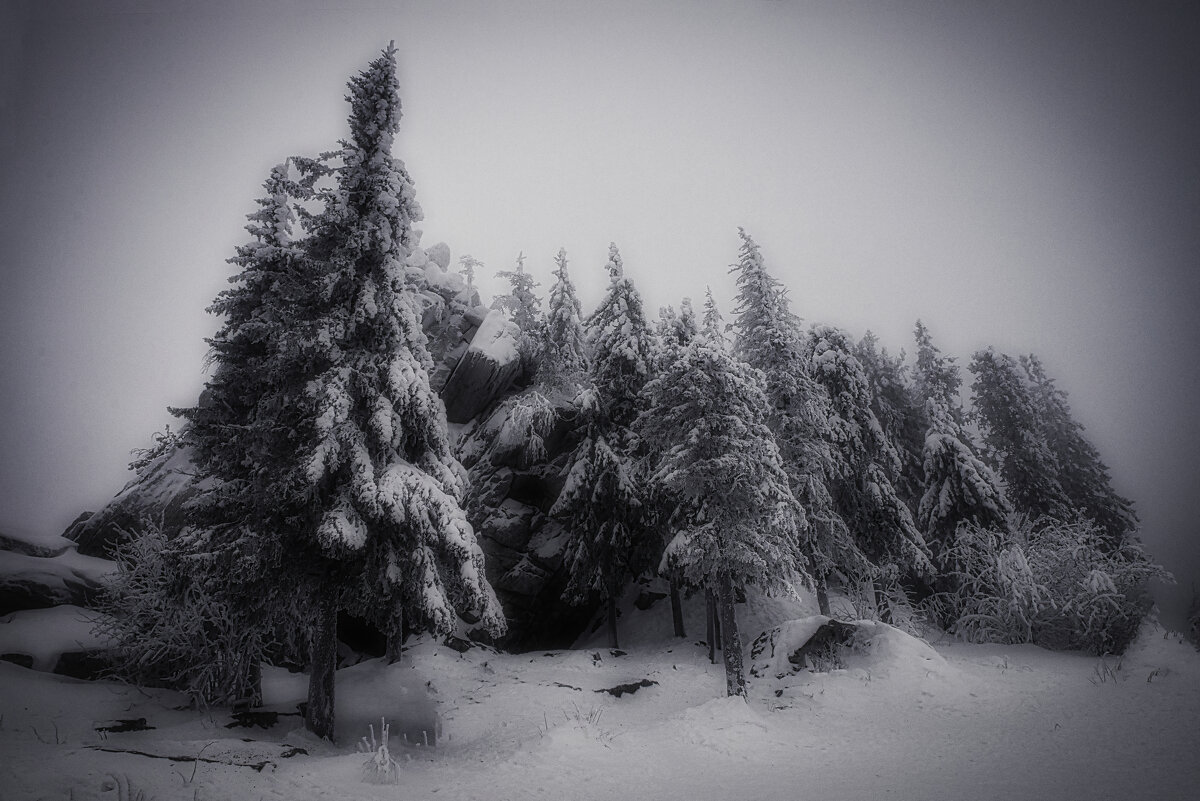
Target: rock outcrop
point(509, 505)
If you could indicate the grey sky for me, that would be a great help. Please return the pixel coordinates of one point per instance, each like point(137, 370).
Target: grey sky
point(1013, 174)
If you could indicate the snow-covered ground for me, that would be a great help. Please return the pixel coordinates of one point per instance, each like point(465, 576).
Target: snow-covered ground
point(903, 720)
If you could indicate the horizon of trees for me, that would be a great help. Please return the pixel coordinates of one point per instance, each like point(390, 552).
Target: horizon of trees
point(758, 453)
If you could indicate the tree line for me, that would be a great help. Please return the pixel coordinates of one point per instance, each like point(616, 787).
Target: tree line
point(718, 456)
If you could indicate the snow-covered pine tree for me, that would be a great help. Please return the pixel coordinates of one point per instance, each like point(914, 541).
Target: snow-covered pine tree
point(564, 352)
point(768, 337)
point(468, 265)
point(1008, 417)
point(241, 434)
point(523, 307)
point(935, 375)
point(865, 466)
point(899, 411)
point(621, 346)
point(1083, 476)
point(736, 521)
point(673, 331)
point(958, 488)
point(382, 488)
point(601, 504)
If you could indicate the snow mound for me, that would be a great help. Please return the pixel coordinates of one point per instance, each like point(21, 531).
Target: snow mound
point(496, 338)
point(30, 582)
point(46, 634)
point(723, 725)
point(865, 648)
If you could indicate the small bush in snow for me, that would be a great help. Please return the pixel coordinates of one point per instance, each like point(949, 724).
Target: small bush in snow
point(380, 767)
point(1053, 583)
point(170, 632)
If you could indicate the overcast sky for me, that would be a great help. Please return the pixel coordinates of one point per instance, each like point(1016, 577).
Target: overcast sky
point(1013, 174)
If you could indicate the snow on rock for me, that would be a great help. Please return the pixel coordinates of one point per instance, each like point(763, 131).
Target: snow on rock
point(789, 654)
point(485, 371)
point(38, 582)
point(45, 635)
point(36, 546)
point(158, 494)
point(439, 254)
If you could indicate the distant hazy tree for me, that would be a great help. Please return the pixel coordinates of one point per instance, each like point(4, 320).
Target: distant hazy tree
point(673, 332)
point(958, 488)
point(1084, 478)
point(1009, 419)
point(468, 266)
point(736, 521)
point(523, 307)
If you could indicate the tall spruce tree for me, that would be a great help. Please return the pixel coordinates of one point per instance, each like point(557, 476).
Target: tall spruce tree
point(367, 485)
point(735, 520)
point(1083, 476)
point(768, 338)
point(1008, 417)
point(241, 433)
point(899, 411)
point(601, 504)
point(565, 351)
point(866, 465)
point(958, 488)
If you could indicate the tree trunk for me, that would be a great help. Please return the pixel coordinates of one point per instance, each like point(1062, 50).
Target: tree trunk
point(677, 611)
point(881, 603)
point(821, 582)
point(395, 640)
point(710, 613)
point(612, 621)
point(254, 679)
point(318, 717)
point(735, 679)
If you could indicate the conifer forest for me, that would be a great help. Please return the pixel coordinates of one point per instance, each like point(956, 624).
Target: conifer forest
point(409, 541)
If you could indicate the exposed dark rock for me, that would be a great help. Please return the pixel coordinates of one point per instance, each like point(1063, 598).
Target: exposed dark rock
point(121, 726)
point(262, 718)
point(24, 660)
point(510, 525)
point(647, 599)
point(457, 644)
point(156, 496)
point(622, 689)
point(18, 593)
point(82, 664)
point(823, 651)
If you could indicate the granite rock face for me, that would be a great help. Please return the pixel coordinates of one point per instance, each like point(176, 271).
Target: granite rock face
point(509, 504)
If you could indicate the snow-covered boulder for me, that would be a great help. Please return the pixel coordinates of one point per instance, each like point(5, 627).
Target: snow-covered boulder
point(48, 547)
point(65, 640)
point(40, 582)
point(818, 644)
point(158, 494)
point(485, 371)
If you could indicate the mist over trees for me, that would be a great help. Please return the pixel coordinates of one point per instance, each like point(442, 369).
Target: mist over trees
point(780, 457)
